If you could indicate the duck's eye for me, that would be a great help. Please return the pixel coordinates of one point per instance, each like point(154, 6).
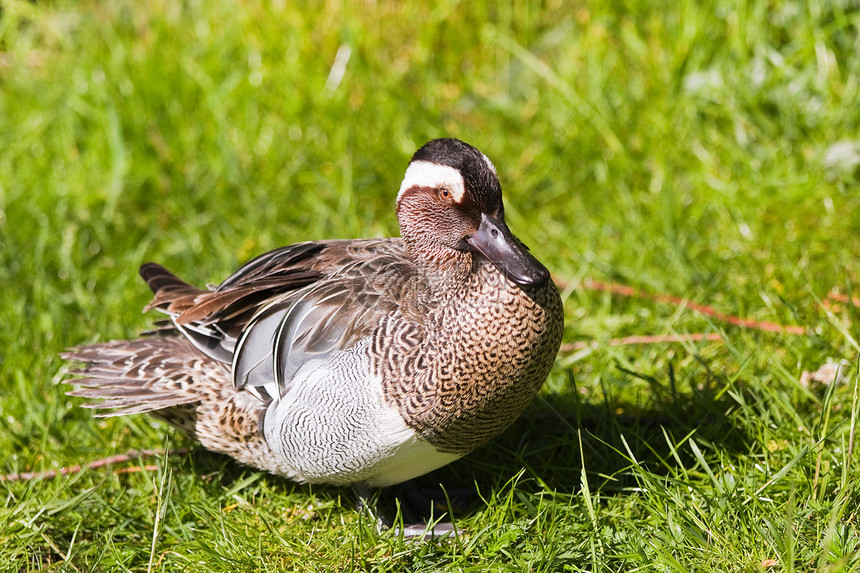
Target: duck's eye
point(444, 193)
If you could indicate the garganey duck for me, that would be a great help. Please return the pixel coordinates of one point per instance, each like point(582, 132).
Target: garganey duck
point(365, 362)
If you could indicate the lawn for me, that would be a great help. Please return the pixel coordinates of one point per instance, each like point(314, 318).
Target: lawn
point(690, 172)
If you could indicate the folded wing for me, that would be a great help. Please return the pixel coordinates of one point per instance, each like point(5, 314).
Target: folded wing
point(290, 307)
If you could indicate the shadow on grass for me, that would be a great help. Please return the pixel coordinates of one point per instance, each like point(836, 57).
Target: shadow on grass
point(545, 444)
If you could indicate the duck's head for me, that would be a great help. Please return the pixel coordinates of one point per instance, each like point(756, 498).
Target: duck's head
point(450, 205)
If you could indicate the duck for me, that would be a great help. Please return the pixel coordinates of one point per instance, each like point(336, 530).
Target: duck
point(364, 362)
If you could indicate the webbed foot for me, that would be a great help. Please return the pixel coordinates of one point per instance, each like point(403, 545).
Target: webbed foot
point(419, 506)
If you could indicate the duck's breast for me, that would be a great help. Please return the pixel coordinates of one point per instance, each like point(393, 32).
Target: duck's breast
point(489, 349)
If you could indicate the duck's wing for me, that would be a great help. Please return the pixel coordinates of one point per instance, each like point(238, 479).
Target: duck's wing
point(291, 307)
point(211, 318)
point(282, 270)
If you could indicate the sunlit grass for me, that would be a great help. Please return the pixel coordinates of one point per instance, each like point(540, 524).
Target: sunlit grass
point(707, 151)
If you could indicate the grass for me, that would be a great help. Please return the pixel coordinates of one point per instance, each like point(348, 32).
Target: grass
point(707, 151)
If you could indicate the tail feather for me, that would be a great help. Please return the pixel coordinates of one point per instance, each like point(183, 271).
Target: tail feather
point(159, 278)
point(172, 295)
point(169, 378)
point(186, 303)
point(122, 407)
point(143, 375)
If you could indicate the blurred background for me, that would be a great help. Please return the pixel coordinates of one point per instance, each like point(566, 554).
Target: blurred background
point(704, 152)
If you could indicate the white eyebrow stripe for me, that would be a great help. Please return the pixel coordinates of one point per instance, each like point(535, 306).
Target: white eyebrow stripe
point(427, 174)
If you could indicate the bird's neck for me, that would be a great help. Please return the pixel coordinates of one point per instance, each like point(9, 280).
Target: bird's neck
point(443, 266)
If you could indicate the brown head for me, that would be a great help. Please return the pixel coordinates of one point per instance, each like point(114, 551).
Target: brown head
point(451, 213)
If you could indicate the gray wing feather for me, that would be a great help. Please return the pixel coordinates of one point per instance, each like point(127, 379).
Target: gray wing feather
point(284, 337)
point(252, 361)
point(209, 339)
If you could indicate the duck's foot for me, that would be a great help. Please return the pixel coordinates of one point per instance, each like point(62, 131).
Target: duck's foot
point(418, 507)
point(367, 503)
point(427, 531)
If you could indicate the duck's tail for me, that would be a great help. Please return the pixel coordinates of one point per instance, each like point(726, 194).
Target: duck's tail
point(137, 376)
point(167, 377)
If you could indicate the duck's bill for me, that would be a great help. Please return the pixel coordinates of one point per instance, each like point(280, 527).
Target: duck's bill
point(498, 245)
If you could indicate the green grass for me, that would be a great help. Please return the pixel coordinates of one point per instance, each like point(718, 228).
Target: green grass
point(705, 150)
